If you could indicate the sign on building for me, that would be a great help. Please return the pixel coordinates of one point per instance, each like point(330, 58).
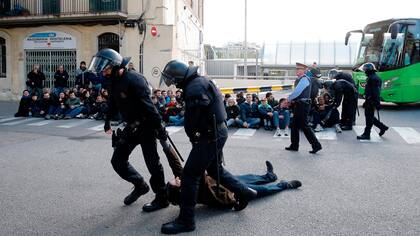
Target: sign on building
point(50, 40)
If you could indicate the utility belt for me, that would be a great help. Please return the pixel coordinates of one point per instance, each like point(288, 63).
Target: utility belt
point(210, 133)
point(122, 135)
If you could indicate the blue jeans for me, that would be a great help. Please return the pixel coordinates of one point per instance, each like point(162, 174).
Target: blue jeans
point(284, 122)
point(176, 120)
point(260, 184)
point(232, 122)
point(58, 90)
point(252, 122)
point(74, 112)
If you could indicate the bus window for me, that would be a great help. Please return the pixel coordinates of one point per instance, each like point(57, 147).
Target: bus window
point(412, 48)
point(391, 51)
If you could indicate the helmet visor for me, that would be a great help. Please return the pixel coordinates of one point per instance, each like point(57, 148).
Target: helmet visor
point(165, 79)
point(98, 64)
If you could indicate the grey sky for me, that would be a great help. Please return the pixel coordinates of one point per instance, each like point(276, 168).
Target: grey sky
point(279, 20)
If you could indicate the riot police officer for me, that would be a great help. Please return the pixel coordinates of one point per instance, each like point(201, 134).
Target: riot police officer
point(130, 95)
point(344, 90)
point(372, 101)
point(301, 103)
point(204, 123)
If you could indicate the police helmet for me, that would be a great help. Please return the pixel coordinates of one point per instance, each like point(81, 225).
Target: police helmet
point(333, 73)
point(107, 59)
point(174, 72)
point(316, 72)
point(368, 67)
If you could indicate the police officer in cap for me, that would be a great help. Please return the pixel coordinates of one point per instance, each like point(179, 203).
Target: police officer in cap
point(301, 102)
point(204, 123)
point(372, 101)
point(130, 95)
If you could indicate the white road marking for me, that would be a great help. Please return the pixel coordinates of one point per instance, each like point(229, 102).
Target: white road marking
point(74, 124)
point(173, 129)
point(17, 122)
point(97, 128)
point(327, 134)
point(10, 119)
point(41, 123)
point(410, 135)
point(245, 132)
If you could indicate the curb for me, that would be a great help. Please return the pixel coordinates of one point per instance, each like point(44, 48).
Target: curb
point(256, 89)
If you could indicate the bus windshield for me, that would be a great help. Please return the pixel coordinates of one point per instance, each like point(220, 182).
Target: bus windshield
point(392, 50)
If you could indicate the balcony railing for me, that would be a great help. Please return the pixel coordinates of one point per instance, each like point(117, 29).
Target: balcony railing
point(13, 8)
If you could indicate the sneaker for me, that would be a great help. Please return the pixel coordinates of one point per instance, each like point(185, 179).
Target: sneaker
point(318, 128)
point(286, 132)
point(337, 128)
point(293, 184)
point(79, 116)
point(278, 132)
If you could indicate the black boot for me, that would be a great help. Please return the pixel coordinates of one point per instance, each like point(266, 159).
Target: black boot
point(243, 198)
point(139, 190)
point(364, 137)
point(176, 227)
point(291, 148)
point(160, 201)
point(270, 171)
point(293, 184)
point(315, 149)
point(383, 130)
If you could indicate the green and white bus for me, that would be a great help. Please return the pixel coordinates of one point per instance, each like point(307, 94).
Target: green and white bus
point(394, 47)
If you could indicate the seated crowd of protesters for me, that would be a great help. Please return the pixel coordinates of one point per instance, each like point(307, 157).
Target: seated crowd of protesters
point(170, 106)
point(71, 103)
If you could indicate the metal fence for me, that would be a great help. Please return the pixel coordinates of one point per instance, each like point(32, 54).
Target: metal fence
point(49, 62)
point(60, 7)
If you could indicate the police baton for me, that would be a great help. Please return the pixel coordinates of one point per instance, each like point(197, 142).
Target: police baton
point(176, 149)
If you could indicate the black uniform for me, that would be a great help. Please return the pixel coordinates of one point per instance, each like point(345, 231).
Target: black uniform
point(373, 102)
point(301, 107)
point(202, 101)
point(346, 92)
point(130, 95)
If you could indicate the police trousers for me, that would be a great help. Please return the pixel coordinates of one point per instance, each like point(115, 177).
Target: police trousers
point(203, 158)
point(300, 122)
point(348, 111)
point(371, 119)
point(126, 171)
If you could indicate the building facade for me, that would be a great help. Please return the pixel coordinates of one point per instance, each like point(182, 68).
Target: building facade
point(50, 33)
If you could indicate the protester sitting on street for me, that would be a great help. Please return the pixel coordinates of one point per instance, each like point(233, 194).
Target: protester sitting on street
point(35, 106)
point(165, 97)
point(256, 99)
point(325, 115)
point(45, 104)
point(24, 104)
point(177, 120)
point(99, 108)
point(233, 114)
point(74, 106)
point(59, 104)
point(249, 113)
point(266, 113)
point(170, 95)
point(226, 98)
point(60, 79)
point(208, 189)
point(83, 76)
point(281, 118)
point(178, 96)
point(160, 108)
point(271, 100)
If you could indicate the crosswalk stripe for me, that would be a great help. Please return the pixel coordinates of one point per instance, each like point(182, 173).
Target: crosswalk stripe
point(74, 124)
point(41, 123)
point(173, 129)
point(374, 136)
point(10, 119)
point(327, 134)
point(97, 128)
point(16, 122)
point(244, 133)
point(410, 135)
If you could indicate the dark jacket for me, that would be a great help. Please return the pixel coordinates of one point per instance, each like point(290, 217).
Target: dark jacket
point(130, 95)
point(24, 104)
point(263, 110)
point(35, 79)
point(61, 78)
point(73, 102)
point(373, 89)
point(202, 101)
point(83, 78)
point(45, 104)
point(342, 88)
point(233, 112)
point(248, 110)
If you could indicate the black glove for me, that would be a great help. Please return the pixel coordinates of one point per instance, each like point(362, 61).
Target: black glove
point(162, 134)
point(107, 125)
